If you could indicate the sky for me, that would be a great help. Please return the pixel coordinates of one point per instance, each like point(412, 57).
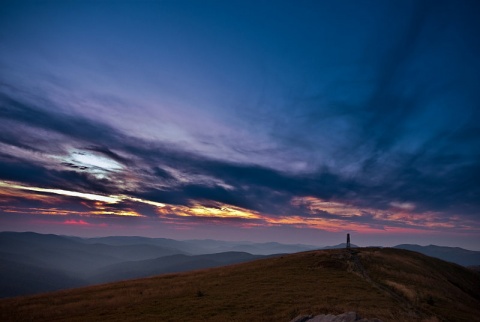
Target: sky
point(288, 121)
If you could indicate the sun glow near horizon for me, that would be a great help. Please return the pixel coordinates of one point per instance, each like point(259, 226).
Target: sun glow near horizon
point(314, 213)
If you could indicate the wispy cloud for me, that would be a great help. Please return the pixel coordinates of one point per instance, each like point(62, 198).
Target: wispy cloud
point(342, 123)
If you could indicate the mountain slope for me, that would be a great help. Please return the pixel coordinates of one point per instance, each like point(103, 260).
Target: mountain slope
point(390, 284)
point(451, 254)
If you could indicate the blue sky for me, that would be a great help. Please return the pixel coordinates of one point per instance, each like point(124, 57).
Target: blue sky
point(260, 120)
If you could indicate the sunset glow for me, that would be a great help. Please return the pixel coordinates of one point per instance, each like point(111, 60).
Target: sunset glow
point(293, 122)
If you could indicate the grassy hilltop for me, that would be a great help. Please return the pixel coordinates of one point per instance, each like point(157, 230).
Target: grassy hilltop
point(390, 284)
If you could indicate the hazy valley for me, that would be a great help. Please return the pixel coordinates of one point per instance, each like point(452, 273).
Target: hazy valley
point(34, 263)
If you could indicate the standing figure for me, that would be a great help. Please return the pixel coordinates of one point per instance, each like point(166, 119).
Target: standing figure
point(348, 240)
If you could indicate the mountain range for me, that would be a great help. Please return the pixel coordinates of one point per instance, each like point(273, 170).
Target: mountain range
point(377, 283)
point(34, 263)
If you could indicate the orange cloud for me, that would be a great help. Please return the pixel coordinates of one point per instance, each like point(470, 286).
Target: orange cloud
point(82, 223)
point(400, 217)
point(211, 210)
point(332, 225)
point(76, 222)
point(41, 211)
point(312, 212)
point(315, 205)
point(7, 195)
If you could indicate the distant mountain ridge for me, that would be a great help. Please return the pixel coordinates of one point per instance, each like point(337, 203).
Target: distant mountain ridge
point(456, 255)
point(169, 264)
point(200, 246)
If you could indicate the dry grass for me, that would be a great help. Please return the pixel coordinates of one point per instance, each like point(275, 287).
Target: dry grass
point(430, 285)
point(275, 289)
point(409, 293)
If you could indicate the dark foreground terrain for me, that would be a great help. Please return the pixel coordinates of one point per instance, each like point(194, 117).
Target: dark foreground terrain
point(389, 284)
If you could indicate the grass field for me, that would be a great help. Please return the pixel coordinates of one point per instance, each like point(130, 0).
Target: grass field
point(389, 284)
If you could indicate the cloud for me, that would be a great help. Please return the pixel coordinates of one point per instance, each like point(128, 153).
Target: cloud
point(83, 223)
point(169, 174)
point(387, 149)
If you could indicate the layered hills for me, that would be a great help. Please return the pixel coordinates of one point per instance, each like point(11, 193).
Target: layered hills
point(384, 283)
point(457, 255)
point(33, 263)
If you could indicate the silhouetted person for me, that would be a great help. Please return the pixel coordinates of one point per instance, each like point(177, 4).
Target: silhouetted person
point(348, 240)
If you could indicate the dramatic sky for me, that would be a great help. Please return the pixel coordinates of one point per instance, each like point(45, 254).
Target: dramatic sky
point(289, 121)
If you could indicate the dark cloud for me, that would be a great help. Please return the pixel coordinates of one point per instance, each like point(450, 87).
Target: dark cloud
point(431, 181)
point(42, 118)
point(15, 169)
point(107, 152)
point(161, 173)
